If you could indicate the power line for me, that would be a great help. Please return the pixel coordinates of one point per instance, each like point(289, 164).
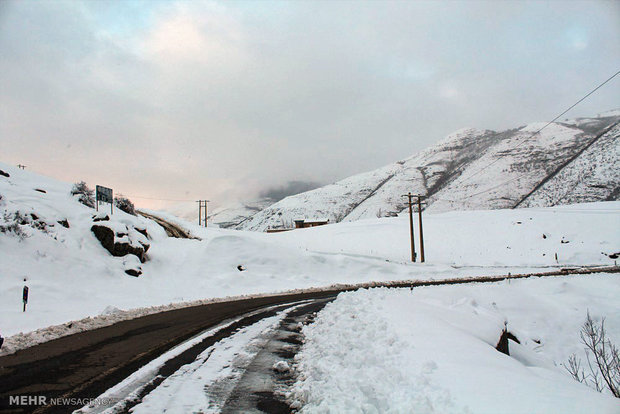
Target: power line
point(158, 199)
point(526, 140)
point(549, 123)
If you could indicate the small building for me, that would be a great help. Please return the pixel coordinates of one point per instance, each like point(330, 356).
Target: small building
point(277, 230)
point(303, 224)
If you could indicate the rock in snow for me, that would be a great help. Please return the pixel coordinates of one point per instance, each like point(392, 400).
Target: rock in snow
point(121, 243)
point(281, 367)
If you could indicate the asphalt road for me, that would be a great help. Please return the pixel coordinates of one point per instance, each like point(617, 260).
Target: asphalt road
point(84, 365)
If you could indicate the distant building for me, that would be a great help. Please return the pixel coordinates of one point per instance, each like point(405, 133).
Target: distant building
point(277, 230)
point(302, 224)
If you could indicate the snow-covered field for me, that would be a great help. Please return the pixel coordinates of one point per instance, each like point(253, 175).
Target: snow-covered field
point(373, 350)
point(432, 350)
point(71, 276)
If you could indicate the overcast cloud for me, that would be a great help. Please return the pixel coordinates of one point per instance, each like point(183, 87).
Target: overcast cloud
point(225, 100)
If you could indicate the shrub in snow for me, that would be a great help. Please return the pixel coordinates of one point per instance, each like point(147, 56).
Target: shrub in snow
point(602, 357)
point(85, 195)
point(11, 224)
point(124, 204)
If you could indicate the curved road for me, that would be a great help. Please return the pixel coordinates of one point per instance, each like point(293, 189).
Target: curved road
point(85, 365)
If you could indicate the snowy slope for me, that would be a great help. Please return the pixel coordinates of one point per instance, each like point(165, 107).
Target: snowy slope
point(511, 168)
point(432, 350)
point(233, 214)
point(71, 276)
point(471, 169)
point(591, 176)
point(224, 216)
point(378, 192)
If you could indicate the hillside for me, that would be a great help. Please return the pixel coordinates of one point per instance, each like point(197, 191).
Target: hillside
point(228, 215)
point(47, 237)
point(573, 161)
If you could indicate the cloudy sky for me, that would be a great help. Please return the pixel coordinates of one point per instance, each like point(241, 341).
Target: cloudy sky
point(227, 100)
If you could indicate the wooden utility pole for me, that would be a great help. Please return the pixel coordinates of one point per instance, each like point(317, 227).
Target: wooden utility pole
point(420, 228)
point(199, 212)
point(413, 255)
point(200, 205)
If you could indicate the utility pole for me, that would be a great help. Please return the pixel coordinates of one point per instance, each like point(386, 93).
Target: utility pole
point(413, 255)
point(420, 228)
point(202, 203)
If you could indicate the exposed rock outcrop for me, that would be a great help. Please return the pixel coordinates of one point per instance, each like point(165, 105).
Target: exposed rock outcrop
point(121, 243)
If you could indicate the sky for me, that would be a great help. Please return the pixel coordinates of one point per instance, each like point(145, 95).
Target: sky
point(167, 101)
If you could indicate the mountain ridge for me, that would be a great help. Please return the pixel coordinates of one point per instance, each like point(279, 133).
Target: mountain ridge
point(472, 169)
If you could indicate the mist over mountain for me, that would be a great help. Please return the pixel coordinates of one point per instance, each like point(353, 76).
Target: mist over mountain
point(290, 188)
point(572, 161)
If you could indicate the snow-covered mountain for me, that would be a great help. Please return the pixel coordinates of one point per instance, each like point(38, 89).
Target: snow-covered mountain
point(228, 215)
point(79, 262)
point(235, 214)
point(567, 162)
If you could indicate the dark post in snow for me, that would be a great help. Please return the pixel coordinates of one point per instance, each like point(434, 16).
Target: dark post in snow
point(25, 296)
point(413, 255)
point(420, 229)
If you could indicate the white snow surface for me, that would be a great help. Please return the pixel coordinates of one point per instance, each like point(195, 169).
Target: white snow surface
point(432, 350)
point(590, 175)
point(226, 215)
point(184, 391)
point(75, 284)
point(472, 169)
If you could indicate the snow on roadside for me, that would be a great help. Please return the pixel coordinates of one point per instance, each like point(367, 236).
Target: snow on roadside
point(204, 385)
point(127, 390)
point(73, 279)
point(109, 316)
point(432, 350)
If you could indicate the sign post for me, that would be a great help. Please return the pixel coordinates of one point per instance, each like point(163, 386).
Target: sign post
point(105, 195)
point(25, 296)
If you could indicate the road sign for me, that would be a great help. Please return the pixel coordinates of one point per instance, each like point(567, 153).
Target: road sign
point(105, 195)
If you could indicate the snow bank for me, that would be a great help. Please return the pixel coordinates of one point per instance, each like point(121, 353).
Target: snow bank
point(73, 278)
point(432, 350)
point(577, 234)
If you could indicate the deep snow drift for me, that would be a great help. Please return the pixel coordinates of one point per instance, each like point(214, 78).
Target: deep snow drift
point(432, 350)
point(71, 276)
